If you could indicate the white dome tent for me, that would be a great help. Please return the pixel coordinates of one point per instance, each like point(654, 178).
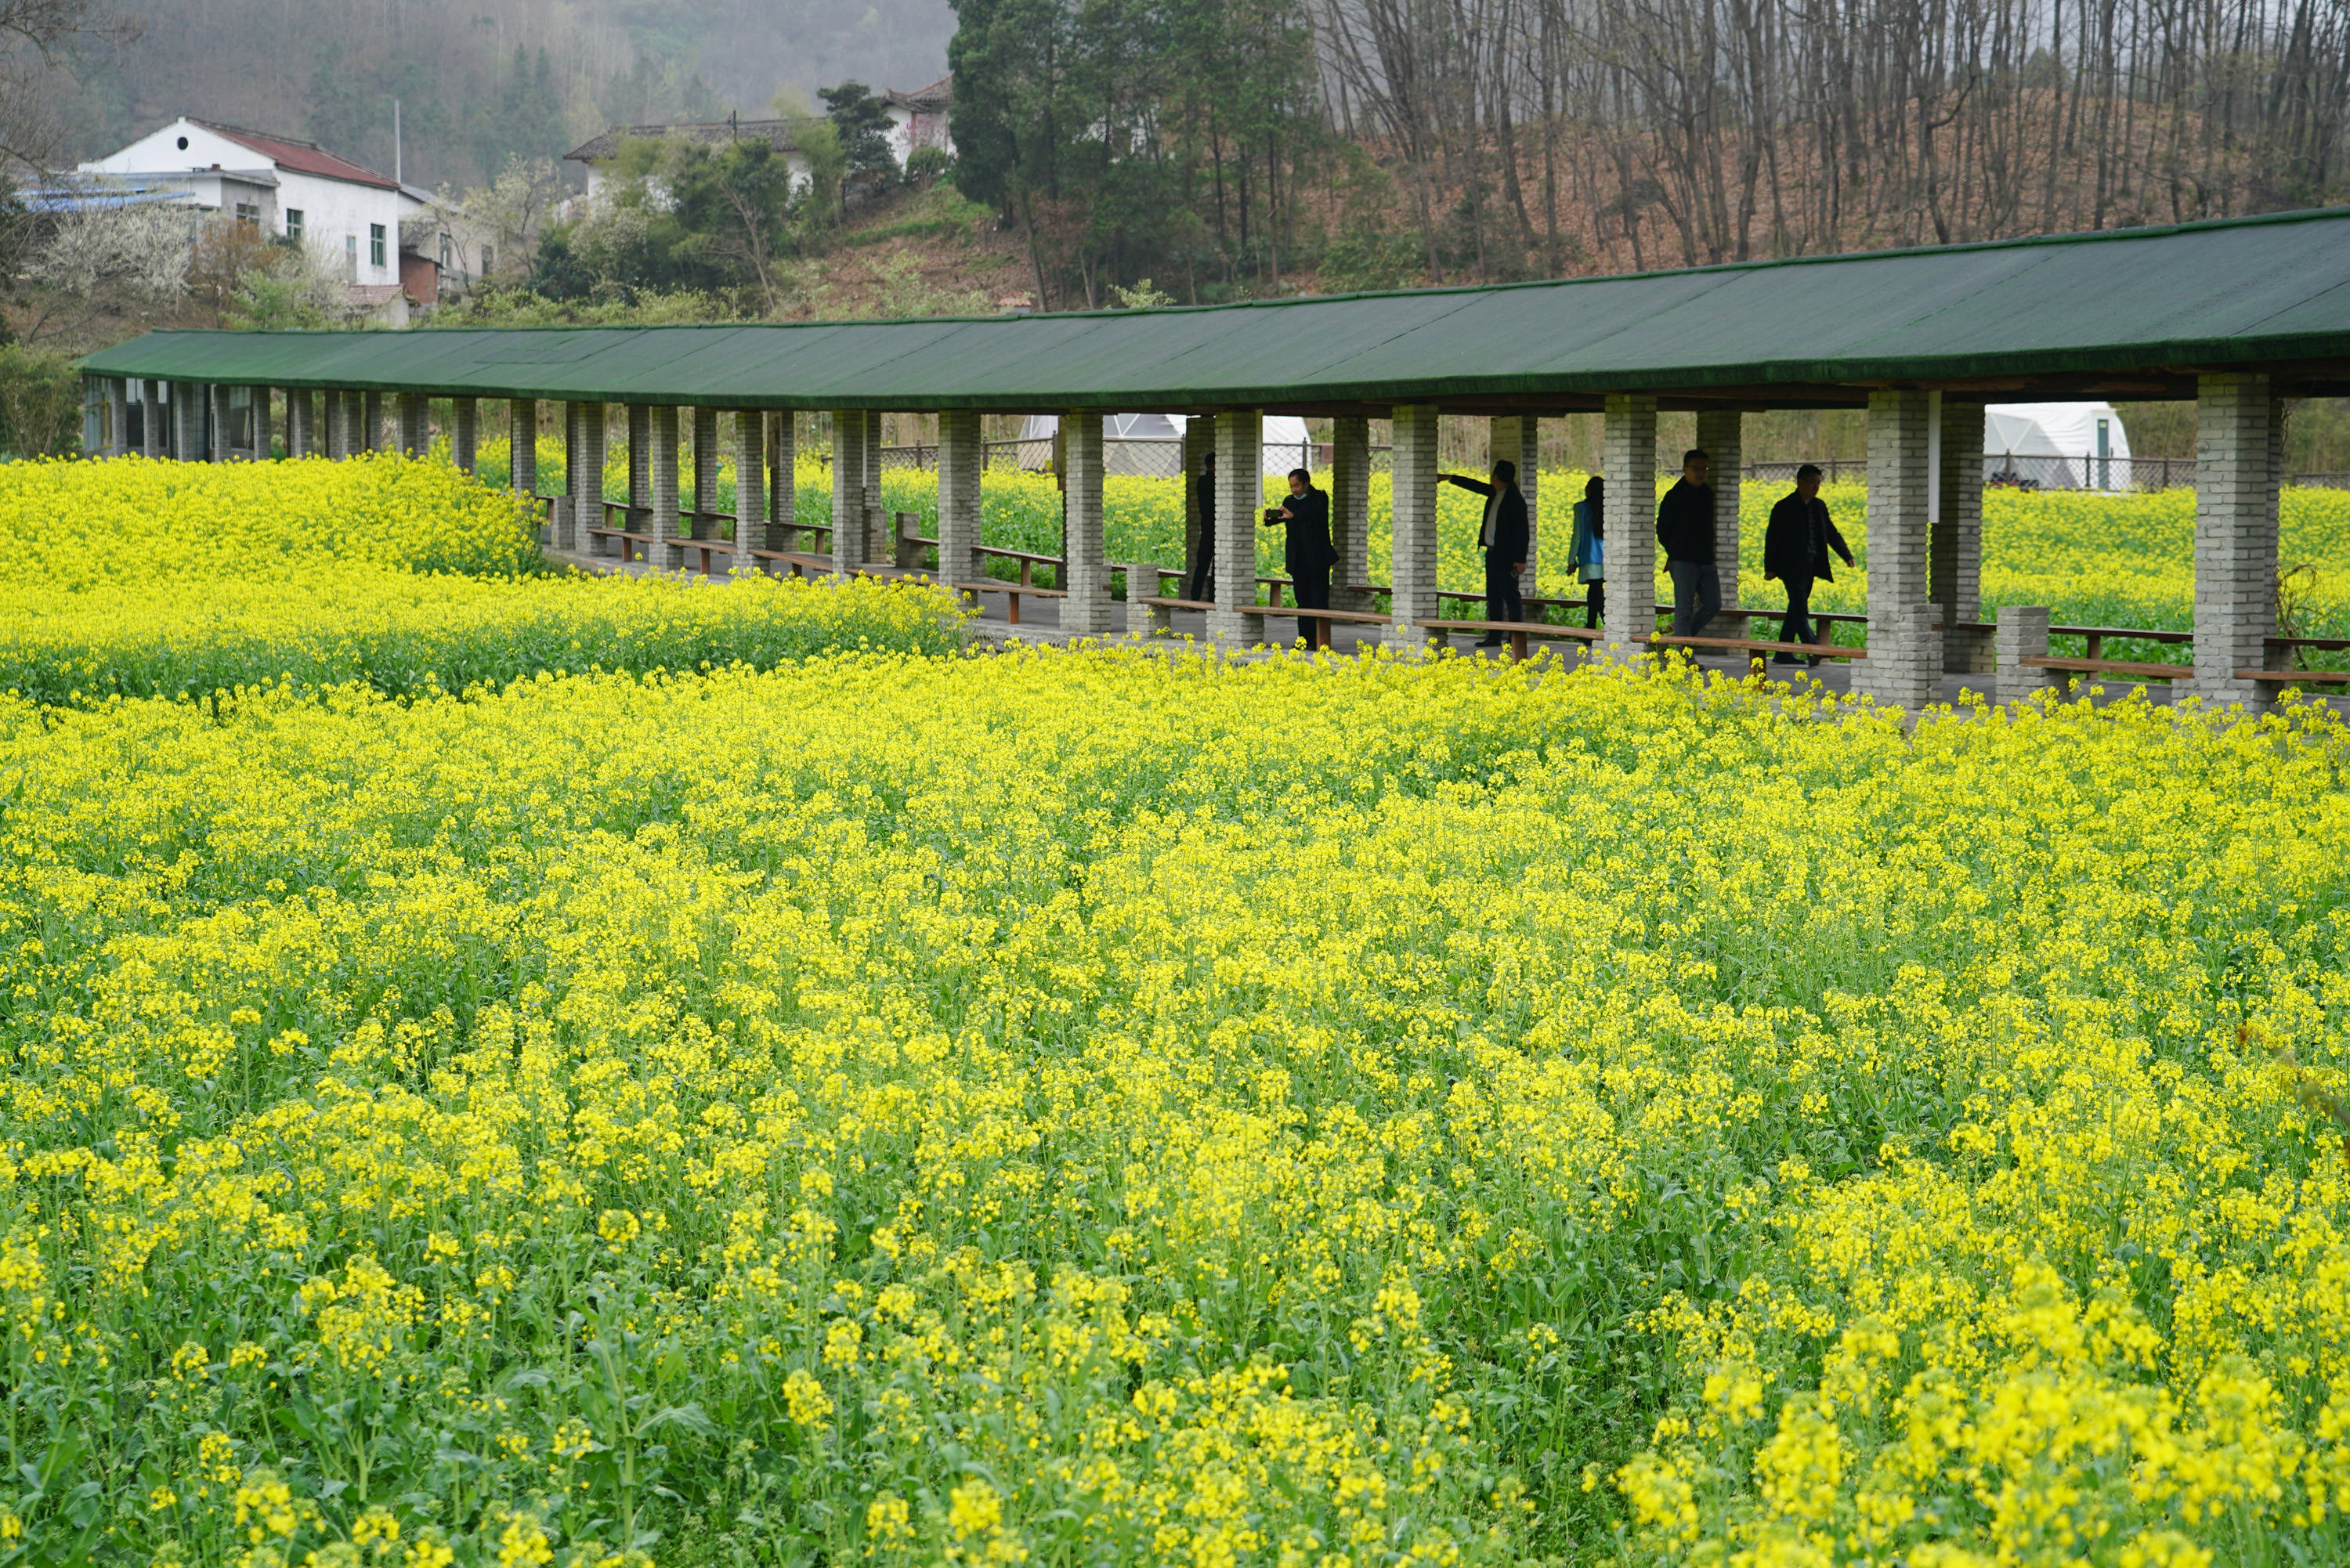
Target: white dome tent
point(2056, 446)
point(1153, 443)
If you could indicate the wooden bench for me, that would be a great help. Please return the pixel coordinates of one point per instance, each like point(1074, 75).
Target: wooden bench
point(1519, 633)
point(800, 563)
point(1327, 618)
point(2111, 666)
point(2296, 677)
point(1757, 646)
point(1013, 594)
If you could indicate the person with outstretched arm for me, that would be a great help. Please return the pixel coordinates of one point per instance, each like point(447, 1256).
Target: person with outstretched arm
point(1203, 587)
point(1685, 531)
point(1306, 553)
point(1503, 535)
point(1795, 549)
point(1588, 555)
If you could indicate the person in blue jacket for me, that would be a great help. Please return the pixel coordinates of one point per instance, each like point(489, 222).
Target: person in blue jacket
point(1587, 554)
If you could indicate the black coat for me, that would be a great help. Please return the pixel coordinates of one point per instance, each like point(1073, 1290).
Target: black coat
point(1685, 521)
point(1509, 542)
point(1305, 546)
point(1797, 543)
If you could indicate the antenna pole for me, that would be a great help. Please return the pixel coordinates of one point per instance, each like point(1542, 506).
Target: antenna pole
point(396, 176)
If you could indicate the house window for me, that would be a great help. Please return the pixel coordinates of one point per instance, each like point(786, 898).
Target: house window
point(294, 224)
point(351, 255)
point(375, 244)
point(444, 253)
point(487, 253)
point(247, 212)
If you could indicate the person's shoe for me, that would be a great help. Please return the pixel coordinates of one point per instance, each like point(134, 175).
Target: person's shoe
point(1489, 642)
point(1785, 659)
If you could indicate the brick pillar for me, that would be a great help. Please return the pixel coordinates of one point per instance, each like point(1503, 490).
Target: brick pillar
point(2238, 442)
point(881, 528)
point(1629, 457)
point(264, 434)
point(782, 493)
point(848, 490)
point(1411, 575)
point(117, 392)
point(960, 466)
point(1199, 446)
point(1086, 611)
point(154, 418)
point(583, 477)
point(1518, 438)
point(464, 432)
point(641, 439)
point(370, 421)
point(2022, 633)
point(412, 417)
point(660, 488)
point(750, 487)
point(1904, 666)
point(522, 445)
point(1720, 432)
point(301, 424)
point(1240, 489)
point(218, 431)
point(1954, 565)
point(706, 472)
point(1350, 510)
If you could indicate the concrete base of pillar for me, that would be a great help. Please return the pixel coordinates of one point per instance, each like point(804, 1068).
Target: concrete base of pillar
point(1904, 666)
point(2022, 633)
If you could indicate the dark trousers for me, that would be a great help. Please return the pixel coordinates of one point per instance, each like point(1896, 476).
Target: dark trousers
point(1204, 575)
point(1313, 593)
point(1697, 596)
point(1797, 626)
point(1594, 598)
point(1502, 600)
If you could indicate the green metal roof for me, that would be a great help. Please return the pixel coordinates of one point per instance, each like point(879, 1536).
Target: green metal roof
point(2132, 309)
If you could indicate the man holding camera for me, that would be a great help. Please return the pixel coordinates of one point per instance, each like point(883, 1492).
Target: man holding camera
point(1503, 535)
point(1306, 553)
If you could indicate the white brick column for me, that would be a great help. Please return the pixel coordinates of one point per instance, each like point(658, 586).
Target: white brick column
point(960, 463)
point(1518, 438)
point(1411, 468)
point(301, 424)
point(1086, 610)
point(1721, 432)
point(1954, 565)
point(1628, 459)
point(750, 487)
point(2239, 449)
point(1350, 510)
point(522, 445)
point(641, 441)
point(370, 436)
point(188, 401)
point(1240, 489)
point(583, 466)
point(1904, 666)
point(660, 488)
point(2022, 633)
point(464, 432)
point(218, 431)
point(881, 528)
point(1198, 446)
point(706, 472)
point(848, 490)
point(783, 492)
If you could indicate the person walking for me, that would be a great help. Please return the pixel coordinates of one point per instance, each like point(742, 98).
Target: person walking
point(1587, 555)
point(1203, 587)
point(1306, 553)
point(1503, 537)
point(1685, 530)
point(1795, 550)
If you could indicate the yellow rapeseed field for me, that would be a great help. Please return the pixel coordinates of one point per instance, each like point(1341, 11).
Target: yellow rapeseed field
point(1093, 1107)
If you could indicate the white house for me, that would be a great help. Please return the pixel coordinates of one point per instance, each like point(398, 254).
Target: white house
point(285, 186)
point(919, 119)
point(596, 154)
point(2056, 446)
point(1153, 443)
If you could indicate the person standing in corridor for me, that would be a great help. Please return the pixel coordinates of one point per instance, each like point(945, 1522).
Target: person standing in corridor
point(1503, 537)
point(1306, 553)
point(1203, 587)
point(1685, 530)
point(1795, 551)
point(1588, 555)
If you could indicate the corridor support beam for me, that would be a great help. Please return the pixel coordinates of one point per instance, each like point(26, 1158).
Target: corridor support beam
point(1628, 461)
point(1904, 666)
point(1411, 575)
point(2239, 453)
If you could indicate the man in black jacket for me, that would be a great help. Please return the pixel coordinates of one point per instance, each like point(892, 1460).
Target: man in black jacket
point(1685, 530)
point(1306, 553)
point(1203, 571)
point(1795, 551)
point(1503, 537)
